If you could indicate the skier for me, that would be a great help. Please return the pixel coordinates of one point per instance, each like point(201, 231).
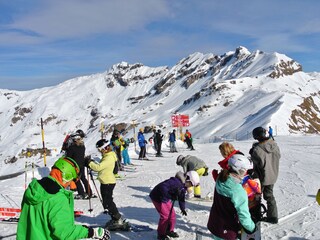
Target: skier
point(124, 152)
point(108, 182)
point(159, 139)
point(271, 133)
point(163, 197)
point(142, 144)
point(47, 207)
point(172, 141)
point(227, 150)
point(76, 151)
point(188, 139)
point(117, 148)
point(265, 155)
point(230, 205)
point(192, 163)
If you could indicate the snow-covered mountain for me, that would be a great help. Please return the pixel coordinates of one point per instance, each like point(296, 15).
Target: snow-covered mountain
point(225, 96)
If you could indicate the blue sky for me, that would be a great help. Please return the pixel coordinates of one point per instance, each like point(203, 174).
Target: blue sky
point(45, 42)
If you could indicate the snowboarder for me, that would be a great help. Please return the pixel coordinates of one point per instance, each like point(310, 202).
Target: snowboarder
point(159, 139)
point(142, 144)
point(107, 182)
point(76, 151)
point(192, 163)
point(47, 207)
point(172, 141)
point(163, 197)
point(265, 155)
point(230, 205)
point(188, 139)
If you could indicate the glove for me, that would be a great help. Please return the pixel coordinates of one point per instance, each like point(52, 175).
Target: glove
point(184, 213)
point(101, 233)
point(205, 172)
point(250, 232)
point(215, 174)
point(87, 160)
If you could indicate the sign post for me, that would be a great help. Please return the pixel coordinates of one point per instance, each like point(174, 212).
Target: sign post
point(179, 121)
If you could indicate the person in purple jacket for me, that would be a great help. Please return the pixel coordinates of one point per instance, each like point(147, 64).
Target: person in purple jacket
point(163, 197)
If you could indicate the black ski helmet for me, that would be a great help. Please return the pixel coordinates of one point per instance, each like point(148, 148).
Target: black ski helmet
point(80, 133)
point(101, 143)
point(259, 133)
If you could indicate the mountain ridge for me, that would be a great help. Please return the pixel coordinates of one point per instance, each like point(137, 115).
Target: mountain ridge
point(225, 96)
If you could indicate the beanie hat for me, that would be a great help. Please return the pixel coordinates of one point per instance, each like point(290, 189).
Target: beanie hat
point(259, 133)
point(179, 159)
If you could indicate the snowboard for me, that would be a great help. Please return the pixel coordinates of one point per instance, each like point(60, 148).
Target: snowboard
point(254, 236)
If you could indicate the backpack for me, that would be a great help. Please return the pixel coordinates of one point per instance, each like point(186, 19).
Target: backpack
point(258, 168)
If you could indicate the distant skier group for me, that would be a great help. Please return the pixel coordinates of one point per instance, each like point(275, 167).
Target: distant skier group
point(47, 205)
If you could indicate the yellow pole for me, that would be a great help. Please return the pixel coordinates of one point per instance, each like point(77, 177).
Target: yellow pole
point(43, 145)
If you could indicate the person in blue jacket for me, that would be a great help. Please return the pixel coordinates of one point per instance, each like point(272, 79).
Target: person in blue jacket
point(163, 196)
point(172, 141)
point(142, 144)
point(230, 212)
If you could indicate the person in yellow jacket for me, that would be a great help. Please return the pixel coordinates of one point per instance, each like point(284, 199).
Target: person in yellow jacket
point(107, 181)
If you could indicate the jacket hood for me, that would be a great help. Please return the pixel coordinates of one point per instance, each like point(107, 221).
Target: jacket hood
point(269, 146)
point(35, 193)
point(180, 175)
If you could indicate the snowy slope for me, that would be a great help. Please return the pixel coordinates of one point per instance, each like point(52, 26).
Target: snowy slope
point(294, 191)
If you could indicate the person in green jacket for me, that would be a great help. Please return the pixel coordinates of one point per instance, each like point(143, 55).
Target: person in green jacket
point(47, 208)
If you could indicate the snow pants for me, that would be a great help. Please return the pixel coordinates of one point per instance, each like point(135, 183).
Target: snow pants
point(267, 193)
point(173, 147)
point(107, 200)
point(167, 219)
point(125, 156)
point(197, 189)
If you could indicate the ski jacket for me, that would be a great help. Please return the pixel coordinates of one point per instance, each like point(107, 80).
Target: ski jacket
point(188, 135)
point(191, 163)
point(105, 168)
point(159, 138)
point(141, 140)
point(170, 189)
point(76, 152)
point(229, 210)
point(265, 156)
point(48, 213)
point(172, 137)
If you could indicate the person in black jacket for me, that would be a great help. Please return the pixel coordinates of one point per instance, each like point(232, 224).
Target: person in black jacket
point(76, 151)
point(159, 138)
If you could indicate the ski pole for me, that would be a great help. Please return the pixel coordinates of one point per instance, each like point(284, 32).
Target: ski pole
point(95, 186)
point(89, 192)
point(25, 175)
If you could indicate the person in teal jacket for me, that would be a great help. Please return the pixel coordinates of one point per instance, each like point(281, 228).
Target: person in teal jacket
point(48, 207)
point(230, 209)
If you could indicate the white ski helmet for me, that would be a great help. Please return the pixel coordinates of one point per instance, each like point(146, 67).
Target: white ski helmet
point(240, 164)
point(193, 177)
